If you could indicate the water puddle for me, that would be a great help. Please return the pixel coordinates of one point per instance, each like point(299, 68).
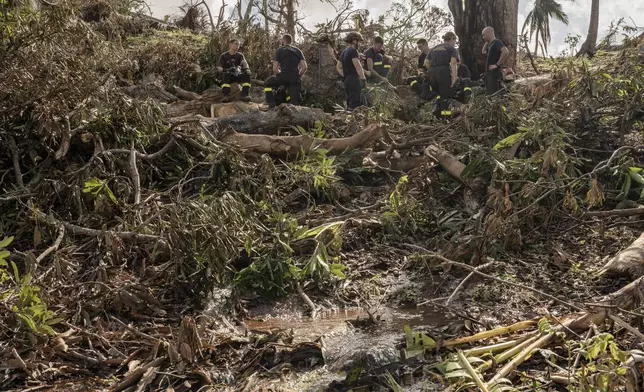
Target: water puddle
point(348, 338)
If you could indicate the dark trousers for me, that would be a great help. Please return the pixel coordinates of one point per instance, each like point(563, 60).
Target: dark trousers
point(290, 81)
point(493, 81)
point(243, 79)
point(440, 80)
point(354, 89)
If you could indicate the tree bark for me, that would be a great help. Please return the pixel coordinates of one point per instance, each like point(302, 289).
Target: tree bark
point(290, 17)
point(589, 46)
point(284, 117)
point(472, 16)
point(289, 146)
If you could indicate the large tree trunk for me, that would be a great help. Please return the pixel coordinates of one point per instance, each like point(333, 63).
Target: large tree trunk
point(589, 46)
point(472, 16)
point(290, 17)
point(285, 117)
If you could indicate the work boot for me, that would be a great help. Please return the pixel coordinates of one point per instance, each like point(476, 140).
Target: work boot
point(226, 99)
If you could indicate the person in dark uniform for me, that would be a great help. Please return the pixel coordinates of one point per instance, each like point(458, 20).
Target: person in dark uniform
point(443, 72)
point(497, 55)
point(235, 70)
point(351, 70)
point(378, 63)
point(283, 95)
point(419, 82)
point(463, 88)
point(289, 66)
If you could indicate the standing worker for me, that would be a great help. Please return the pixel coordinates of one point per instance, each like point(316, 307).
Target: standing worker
point(351, 70)
point(497, 55)
point(443, 73)
point(289, 66)
point(378, 63)
point(235, 70)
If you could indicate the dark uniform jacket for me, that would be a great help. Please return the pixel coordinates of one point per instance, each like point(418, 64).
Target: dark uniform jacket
point(379, 63)
point(227, 60)
point(289, 58)
point(346, 58)
point(441, 55)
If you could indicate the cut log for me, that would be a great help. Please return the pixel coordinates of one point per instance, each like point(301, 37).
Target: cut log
point(270, 122)
point(629, 262)
point(200, 106)
point(184, 94)
point(285, 146)
point(219, 110)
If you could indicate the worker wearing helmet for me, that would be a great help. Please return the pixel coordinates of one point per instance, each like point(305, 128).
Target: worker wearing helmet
point(351, 70)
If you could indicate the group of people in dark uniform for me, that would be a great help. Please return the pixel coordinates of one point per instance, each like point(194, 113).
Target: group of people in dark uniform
point(441, 76)
point(285, 85)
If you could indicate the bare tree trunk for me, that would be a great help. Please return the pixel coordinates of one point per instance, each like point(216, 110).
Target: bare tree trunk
point(472, 16)
point(249, 10)
point(212, 22)
point(222, 9)
point(589, 46)
point(265, 9)
point(290, 17)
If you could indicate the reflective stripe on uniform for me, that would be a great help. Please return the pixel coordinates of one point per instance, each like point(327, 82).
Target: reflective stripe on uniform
point(438, 97)
point(387, 66)
point(245, 84)
point(378, 63)
point(467, 89)
point(413, 82)
point(446, 112)
point(288, 98)
point(267, 89)
point(224, 85)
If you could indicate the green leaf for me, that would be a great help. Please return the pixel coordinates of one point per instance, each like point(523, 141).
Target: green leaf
point(28, 320)
point(637, 177)
point(6, 242)
point(426, 341)
point(314, 232)
point(337, 270)
point(461, 373)
point(594, 350)
point(4, 254)
point(509, 141)
point(409, 336)
point(615, 352)
point(453, 366)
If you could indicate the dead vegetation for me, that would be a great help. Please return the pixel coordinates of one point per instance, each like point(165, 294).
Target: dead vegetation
point(134, 226)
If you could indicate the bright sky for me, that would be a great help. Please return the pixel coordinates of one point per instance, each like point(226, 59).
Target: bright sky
point(578, 12)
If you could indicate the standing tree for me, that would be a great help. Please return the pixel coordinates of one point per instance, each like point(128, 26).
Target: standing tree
point(472, 16)
point(538, 22)
point(589, 46)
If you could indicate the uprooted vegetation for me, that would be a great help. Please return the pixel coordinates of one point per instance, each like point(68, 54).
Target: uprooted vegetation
point(134, 242)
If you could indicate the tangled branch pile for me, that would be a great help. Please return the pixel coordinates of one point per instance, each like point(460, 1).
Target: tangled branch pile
point(131, 236)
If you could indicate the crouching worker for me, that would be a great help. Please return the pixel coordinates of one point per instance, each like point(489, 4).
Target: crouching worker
point(289, 66)
point(235, 69)
point(463, 86)
point(419, 83)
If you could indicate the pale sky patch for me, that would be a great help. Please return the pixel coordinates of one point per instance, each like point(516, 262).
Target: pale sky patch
point(578, 11)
